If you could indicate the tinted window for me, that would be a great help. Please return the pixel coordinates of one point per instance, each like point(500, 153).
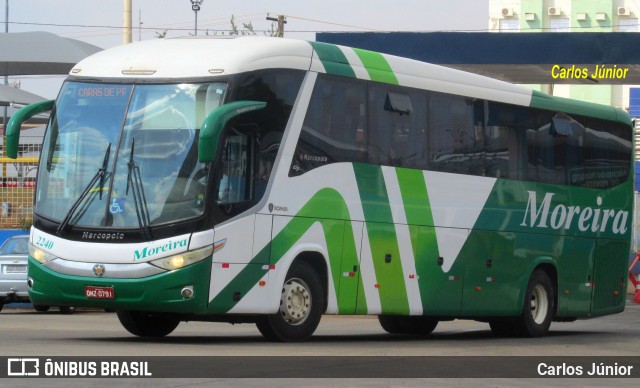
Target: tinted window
point(397, 127)
point(606, 157)
point(505, 141)
point(455, 140)
point(334, 129)
point(251, 141)
point(366, 122)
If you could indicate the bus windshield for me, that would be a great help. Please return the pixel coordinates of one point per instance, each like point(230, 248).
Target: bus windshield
point(125, 156)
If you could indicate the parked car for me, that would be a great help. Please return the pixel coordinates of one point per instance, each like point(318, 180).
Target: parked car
point(13, 270)
point(13, 273)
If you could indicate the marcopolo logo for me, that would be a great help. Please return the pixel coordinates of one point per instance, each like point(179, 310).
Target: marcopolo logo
point(150, 251)
point(568, 217)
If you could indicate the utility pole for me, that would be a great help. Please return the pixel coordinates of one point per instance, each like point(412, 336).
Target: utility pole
point(281, 20)
point(126, 25)
point(6, 79)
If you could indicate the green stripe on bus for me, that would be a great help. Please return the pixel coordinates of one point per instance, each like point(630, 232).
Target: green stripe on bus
point(377, 66)
point(333, 59)
point(414, 196)
point(417, 209)
point(341, 249)
point(382, 239)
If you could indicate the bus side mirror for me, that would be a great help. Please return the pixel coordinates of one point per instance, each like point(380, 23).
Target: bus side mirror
point(12, 134)
point(214, 123)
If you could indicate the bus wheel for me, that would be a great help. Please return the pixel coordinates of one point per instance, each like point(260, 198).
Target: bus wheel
point(145, 324)
point(41, 308)
point(301, 302)
point(390, 323)
point(416, 325)
point(67, 310)
point(539, 306)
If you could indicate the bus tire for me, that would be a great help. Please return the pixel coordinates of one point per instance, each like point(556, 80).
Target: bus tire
point(67, 310)
point(539, 306)
point(301, 304)
point(390, 323)
point(414, 325)
point(41, 308)
point(146, 324)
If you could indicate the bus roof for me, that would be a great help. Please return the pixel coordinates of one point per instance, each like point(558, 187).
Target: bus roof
point(195, 58)
point(201, 57)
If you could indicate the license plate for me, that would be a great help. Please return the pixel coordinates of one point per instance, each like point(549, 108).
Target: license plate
point(11, 268)
point(92, 292)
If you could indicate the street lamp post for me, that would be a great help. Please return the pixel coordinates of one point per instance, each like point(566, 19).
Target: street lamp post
point(195, 6)
point(6, 79)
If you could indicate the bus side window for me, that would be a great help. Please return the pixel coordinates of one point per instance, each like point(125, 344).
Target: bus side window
point(269, 145)
point(556, 148)
point(454, 144)
point(505, 152)
point(237, 164)
point(335, 126)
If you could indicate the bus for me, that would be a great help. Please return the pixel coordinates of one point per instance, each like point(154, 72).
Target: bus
point(271, 181)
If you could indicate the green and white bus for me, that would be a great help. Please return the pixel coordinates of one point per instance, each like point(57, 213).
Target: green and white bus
point(271, 181)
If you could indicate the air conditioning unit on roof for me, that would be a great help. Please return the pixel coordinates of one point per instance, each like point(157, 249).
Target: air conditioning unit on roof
point(507, 12)
point(601, 16)
point(554, 11)
point(624, 11)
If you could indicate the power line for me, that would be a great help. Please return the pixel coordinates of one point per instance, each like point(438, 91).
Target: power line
point(332, 23)
point(97, 26)
point(215, 21)
point(206, 26)
point(156, 28)
point(177, 26)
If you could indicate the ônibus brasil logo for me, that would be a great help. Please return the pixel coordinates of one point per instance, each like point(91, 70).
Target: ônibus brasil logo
point(150, 251)
point(567, 217)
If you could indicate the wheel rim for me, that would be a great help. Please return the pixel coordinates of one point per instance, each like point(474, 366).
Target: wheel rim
point(539, 304)
point(295, 302)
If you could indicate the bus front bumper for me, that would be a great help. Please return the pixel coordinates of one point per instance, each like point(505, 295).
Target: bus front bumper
point(161, 292)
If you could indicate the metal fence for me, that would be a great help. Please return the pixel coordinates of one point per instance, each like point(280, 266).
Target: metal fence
point(17, 183)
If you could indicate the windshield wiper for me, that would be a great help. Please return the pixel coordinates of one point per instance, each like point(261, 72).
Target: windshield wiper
point(134, 180)
point(100, 174)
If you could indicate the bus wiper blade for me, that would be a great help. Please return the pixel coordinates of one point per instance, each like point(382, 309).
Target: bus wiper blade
point(134, 180)
point(104, 169)
point(99, 175)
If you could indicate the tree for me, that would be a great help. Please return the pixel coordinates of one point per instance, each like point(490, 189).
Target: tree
point(247, 29)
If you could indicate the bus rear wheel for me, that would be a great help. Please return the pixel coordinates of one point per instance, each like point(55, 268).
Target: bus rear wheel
point(539, 306)
point(416, 325)
point(301, 303)
point(145, 324)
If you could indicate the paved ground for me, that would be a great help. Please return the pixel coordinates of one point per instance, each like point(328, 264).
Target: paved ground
point(24, 332)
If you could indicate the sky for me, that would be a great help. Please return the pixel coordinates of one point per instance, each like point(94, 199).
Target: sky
point(99, 22)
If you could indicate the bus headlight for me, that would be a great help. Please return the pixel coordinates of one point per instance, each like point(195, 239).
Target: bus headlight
point(184, 259)
point(40, 255)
